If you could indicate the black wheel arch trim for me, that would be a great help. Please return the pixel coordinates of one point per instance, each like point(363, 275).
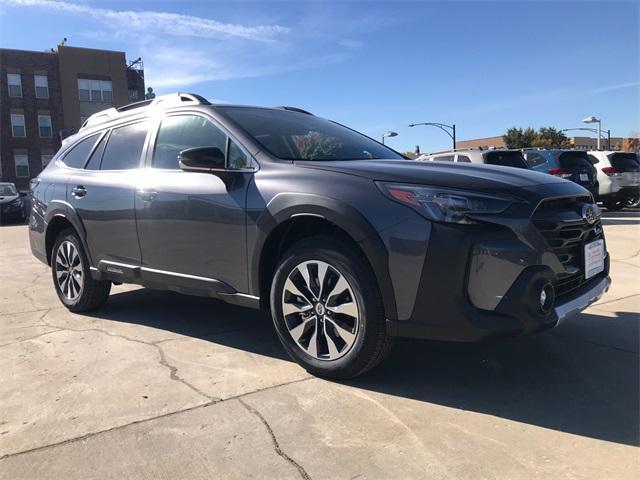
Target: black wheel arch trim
point(61, 209)
point(285, 206)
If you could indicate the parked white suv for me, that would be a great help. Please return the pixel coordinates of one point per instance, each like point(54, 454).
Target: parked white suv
point(504, 157)
point(618, 177)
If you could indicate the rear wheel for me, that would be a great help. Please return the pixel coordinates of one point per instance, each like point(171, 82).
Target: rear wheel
point(614, 204)
point(632, 201)
point(327, 309)
point(71, 278)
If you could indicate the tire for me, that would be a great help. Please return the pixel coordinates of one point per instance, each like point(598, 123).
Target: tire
point(614, 205)
point(350, 327)
point(632, 201)
point(71, 277)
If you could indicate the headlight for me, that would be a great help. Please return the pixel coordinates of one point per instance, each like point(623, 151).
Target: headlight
point(17, 201)
point(445, 205)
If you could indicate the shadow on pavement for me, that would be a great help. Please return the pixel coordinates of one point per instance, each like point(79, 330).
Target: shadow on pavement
point(581, 378)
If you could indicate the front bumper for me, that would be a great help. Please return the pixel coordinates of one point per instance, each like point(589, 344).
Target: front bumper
point(482, 282)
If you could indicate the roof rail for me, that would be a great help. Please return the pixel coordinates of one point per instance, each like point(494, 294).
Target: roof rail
point(164, 101)
point(294, 109)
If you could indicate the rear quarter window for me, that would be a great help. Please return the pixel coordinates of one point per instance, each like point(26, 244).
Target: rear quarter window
point(77, 156)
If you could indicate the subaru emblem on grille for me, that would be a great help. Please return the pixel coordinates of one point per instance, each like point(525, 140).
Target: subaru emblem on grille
point(590, 213)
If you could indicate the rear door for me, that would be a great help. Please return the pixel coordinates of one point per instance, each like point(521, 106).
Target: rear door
point(103, 195)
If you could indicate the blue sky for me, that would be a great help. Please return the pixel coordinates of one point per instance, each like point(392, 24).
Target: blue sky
point(375, 66)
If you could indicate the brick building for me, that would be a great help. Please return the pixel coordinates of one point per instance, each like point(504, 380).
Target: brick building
point(45, 96)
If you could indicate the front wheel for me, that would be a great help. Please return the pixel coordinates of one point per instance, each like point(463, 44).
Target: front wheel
point(71, 278)
point(327, 309)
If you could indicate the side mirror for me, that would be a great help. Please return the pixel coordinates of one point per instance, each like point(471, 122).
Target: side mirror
point(202, 159)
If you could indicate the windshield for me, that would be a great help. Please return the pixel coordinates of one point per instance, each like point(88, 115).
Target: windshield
point(506, 159)
point(8, 190)
point(299, 136)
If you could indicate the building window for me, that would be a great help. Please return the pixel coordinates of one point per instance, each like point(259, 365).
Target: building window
point(46, 158)
point(44, 124)
point(95, 90)
point(17, 125)
point(14, 80)
point(42, 86)
point(133, 95)
point(22, 165)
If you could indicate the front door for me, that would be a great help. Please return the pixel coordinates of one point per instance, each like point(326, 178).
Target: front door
point(191, 226)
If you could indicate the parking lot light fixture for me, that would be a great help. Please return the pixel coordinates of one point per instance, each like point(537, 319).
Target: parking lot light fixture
point(593, 119)
point(448, 129)
point(388, 134)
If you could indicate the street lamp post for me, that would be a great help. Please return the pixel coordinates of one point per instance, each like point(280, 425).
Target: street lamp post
point(593, 119)
point(595, 130)
point(448, 129)
point(388, 134)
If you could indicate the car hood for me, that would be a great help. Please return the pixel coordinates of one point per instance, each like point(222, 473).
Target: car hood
point(464, 176)
point(8, 198)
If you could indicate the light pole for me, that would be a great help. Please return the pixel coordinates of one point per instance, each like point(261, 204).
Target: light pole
point(595, 130)
point(448, 129)
point(593, 119)
point(388, 134)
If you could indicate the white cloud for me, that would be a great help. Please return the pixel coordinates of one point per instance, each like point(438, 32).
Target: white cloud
point(351, 44)
point(168, 23)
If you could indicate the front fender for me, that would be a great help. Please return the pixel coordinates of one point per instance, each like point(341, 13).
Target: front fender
point(284, 206)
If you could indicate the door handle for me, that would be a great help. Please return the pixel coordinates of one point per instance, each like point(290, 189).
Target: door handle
point(147, 194)
point(79, 191)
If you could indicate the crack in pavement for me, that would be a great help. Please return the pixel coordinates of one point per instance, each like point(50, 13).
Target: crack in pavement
point(274, 440)
point(150, 419)
point(595, 305)
point(173, 375)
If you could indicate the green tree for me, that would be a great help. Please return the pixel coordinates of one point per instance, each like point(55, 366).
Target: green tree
point(546, 137)
point(516, 137)
point(549, 137)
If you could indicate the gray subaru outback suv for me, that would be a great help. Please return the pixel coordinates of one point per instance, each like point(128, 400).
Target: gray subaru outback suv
point(346, 242)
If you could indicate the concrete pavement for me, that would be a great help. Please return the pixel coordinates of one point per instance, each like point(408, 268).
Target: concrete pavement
point(158, 385)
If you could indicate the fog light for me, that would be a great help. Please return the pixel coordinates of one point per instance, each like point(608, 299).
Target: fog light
point(547, 298)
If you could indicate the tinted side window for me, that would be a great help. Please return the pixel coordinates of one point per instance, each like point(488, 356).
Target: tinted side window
point(77, 156)
point(236, 158)
point(180, 132)
point(445, 158)
point(96, 156)
point(505, 159)
point(593, 159)
point(463, 158)
point(124, 147)
point(535, 160)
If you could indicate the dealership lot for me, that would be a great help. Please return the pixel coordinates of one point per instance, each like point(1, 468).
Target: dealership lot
point(158, 385)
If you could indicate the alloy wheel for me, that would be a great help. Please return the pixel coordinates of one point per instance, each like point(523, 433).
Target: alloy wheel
point(320, 310)
point(69, 273)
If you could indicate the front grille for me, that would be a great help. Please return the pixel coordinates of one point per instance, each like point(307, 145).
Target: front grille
point(560, 222)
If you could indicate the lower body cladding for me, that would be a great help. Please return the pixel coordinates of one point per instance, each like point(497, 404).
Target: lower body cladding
point(480, 282)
